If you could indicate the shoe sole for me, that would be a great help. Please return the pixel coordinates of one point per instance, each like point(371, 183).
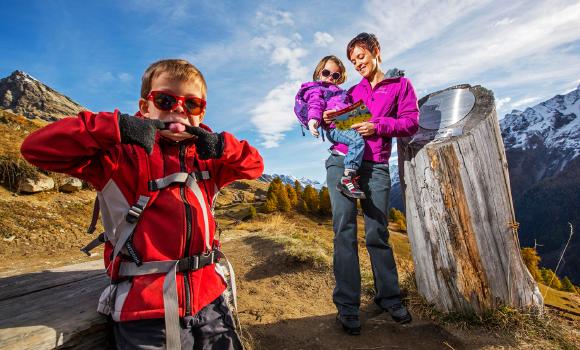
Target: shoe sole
point(348, 330)
point(351, 331)
point(348, 194)
point(403, 320)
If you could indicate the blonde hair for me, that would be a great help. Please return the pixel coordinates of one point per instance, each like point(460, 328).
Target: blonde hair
point(322, 63)
point(178, 69)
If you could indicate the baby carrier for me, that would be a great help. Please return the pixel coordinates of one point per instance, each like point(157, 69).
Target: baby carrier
point(122, 235)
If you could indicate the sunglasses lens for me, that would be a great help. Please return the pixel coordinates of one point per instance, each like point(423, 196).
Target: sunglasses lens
point(194, 105)
point(326, 73)
point(164, 102)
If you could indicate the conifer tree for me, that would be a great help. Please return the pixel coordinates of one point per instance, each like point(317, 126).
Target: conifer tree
point(531, 259)
point(310, 196)
point(283, 200)
point(292, 195)
point(271, 203)
point(567, 285)
point(302, 207)
point(397, 217)
point(298, 188)
point(324, 201)
point(550, 279)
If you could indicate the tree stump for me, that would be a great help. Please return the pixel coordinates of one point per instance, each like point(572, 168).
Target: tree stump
point(460, 216)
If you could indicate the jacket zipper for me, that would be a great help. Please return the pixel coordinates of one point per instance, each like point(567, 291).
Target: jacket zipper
point(188, 230)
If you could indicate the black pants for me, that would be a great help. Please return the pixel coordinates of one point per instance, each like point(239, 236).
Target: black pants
point(211, 328)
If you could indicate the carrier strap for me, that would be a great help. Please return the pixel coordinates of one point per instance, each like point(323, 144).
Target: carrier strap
point(156, 185)
point(94, 243)
point(190, 263)
point(125, 229)
point(96, 208)
point(170, 300)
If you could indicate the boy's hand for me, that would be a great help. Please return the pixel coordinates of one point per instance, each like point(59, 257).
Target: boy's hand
point(137, 131)
point(313, 127)
point(208, 144)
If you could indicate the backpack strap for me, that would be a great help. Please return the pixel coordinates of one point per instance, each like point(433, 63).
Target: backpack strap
point(95, 217)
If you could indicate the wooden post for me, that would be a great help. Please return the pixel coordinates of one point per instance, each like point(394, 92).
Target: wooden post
point(460, 216)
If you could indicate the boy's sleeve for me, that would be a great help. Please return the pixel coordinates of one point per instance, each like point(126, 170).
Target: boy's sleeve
point(238, 161)
point(316, 105)
point(82, 146)
point(407, 121)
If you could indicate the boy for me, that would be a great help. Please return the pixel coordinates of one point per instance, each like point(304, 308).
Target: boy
point(156, 176)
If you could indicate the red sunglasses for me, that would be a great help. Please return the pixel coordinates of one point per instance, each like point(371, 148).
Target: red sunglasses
point(166, 101)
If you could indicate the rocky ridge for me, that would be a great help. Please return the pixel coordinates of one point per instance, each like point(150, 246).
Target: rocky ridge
point(22, 94)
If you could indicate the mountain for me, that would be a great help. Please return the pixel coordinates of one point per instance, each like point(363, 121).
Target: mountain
point(22, 94)
point(289, 179)
point(542, 146)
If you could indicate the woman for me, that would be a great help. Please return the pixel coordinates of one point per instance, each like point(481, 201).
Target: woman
point(392, 102)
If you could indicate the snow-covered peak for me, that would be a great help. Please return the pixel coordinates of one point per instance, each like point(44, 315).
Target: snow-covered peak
point(289, 179)
point(553, 124)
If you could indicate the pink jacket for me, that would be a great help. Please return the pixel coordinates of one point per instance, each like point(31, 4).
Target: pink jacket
point(393, 105)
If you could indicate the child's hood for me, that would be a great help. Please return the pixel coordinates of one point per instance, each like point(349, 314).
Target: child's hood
point(317, 84)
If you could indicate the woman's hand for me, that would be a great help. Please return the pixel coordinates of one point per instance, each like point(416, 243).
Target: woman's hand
point(326, 118)
point(365, 129)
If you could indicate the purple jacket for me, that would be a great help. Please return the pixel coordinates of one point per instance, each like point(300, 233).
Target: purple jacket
point(393, 105)
point(315, 97)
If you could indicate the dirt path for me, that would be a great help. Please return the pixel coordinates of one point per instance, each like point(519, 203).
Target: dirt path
point(283, 305)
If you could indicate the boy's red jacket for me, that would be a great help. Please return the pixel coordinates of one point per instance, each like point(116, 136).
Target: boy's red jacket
point(89, 147)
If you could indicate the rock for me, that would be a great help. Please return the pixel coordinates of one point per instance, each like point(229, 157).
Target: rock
point(43, 183)
point(71, 184)
point(23, 94)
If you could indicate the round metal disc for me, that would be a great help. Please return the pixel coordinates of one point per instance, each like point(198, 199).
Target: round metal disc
point(446, 109)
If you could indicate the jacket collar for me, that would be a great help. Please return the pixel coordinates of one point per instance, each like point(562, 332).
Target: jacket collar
point(391, 75)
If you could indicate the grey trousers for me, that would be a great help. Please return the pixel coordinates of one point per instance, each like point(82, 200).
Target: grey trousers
point(375, 181)
point(211, 328)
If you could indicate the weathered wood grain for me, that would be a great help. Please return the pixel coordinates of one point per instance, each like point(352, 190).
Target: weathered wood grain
point(53, 308)
point(460, 218)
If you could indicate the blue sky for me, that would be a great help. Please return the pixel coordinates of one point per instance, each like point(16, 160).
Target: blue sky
point(255, 54)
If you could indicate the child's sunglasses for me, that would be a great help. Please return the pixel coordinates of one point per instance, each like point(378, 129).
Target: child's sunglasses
point(335, 76)
point(166, 101)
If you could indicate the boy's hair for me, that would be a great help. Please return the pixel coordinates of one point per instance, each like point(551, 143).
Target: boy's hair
point(366, 41)
point(178, 69)
point(322, 63)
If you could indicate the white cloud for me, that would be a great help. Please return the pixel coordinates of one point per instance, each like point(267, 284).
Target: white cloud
point(273, 18)
point(274, 115)
point(323, 39)
point(524, 102)
point(400, 26)
point(480, 47)
point(504, 22)
point(124, 77)
point(499, 103)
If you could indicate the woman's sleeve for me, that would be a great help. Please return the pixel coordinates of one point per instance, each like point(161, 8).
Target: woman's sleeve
point(407, 121)
point(316, 105)
point(83, 147)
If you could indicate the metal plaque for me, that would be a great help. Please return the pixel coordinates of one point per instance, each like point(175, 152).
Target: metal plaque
point(445, 109)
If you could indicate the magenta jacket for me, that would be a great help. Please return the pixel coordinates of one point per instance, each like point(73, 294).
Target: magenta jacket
point(393, 105)
point(315, 97)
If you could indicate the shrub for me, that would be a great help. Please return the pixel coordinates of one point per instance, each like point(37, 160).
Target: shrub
point(14, 169)
point(531, 259)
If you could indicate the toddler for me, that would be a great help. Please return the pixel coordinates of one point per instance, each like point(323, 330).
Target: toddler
point(323, 94)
